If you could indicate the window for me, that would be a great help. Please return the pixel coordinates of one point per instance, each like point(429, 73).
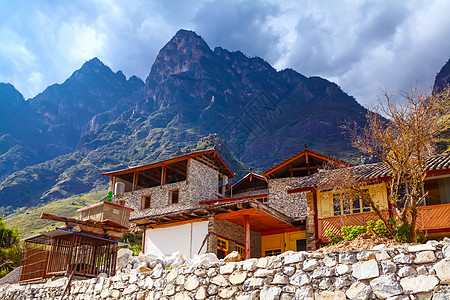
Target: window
point(344, 206)
point(241, 250)
point(173, 196)
point(145, 202)
point(222, 248)
point(300, 245)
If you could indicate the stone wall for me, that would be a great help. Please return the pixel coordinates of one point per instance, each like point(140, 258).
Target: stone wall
point(402, 272)
point(235, 234)
point(292, 205)
point(201, 184)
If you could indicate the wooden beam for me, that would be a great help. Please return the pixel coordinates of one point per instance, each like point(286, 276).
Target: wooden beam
point(247, 235)
point(149, 176)
point(208, 162)
point(97, 231)
point(305, 168)
point(180, 170)
point(91, 223)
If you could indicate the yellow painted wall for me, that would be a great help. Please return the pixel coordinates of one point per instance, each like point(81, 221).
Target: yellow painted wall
point(378, 193)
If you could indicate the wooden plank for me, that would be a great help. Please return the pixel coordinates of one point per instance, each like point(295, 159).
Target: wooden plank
point(91, 223)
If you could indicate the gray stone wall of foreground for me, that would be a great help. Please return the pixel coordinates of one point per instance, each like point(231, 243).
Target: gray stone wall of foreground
point(403, 272)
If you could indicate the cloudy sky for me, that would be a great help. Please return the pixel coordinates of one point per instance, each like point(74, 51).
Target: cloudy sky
point(364, 46)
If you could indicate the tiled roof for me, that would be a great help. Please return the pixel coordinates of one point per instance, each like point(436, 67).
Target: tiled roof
point(372, 171)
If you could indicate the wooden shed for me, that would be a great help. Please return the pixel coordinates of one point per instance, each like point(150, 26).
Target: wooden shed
point(63, 252)
point(108, 212)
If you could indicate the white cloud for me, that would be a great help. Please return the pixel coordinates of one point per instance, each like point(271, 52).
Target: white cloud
point(361, 45)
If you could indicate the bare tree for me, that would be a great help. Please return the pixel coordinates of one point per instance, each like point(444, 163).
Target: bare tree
point(402, 140)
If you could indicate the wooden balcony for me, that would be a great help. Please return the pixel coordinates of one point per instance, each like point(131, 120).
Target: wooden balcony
point(433, 218)
point(336, 223)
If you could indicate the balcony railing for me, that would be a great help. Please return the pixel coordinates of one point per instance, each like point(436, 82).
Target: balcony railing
point(433, 218)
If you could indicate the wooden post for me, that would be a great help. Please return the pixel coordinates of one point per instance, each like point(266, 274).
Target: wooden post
point(134, 183)
point(247, 235)
point(307, 163)
point(163, 175)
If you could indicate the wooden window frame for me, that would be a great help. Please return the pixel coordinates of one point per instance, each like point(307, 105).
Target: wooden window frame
point(340, 197)
point(241, 250)
point(226, 244)
point(171, 196)
point(143, 201)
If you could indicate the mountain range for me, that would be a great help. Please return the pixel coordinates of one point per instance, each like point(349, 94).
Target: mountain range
point(58, 143)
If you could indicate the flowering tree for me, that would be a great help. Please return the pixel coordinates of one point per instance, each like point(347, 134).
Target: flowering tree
point(402, 140)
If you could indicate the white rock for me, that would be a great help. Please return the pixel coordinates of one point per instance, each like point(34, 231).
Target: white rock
point(419, 284)
point(191, 283)
point(227, 293)
point(366, 269)
point(402, 259)
point(407, 271)
point(263, 262)
point(157, 271)
point(343, 269)
point(385, 286)
point(180, 296)
point(300, 278)
point(130, 289)
point(280, 279)
point(270, 293)
point(379, 247)
point(233, 257)
point(288, 271)
point(329, 261)
point(252, 283)
point(421, 247)
point(263, 273)
point(249, 264)
point(212, 289)
point(169, 290)
point(328, 295)
point(171, 276)
point(201, 293)
point(446, 251)
point(442, 269)
point(294, 258)
point(388, 267)
point(382, 255)
point(310, 265)
point(424, 257)
point(227, 268)
point(219, 280)
point(238, 277)
point(343, 281)
point(347, 258)
point(359, 290)
point(305, 293)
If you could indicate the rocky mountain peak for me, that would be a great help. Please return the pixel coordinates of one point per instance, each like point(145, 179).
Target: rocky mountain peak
point(442, 78)
point(181, 54)
point(9, 95)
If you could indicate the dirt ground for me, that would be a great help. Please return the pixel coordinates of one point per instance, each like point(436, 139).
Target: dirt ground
point(362, 242)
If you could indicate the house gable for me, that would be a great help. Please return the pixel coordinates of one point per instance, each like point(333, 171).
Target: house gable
point(304, 163)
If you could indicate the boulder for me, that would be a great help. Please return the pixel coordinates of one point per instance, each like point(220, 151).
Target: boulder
point(233, 257)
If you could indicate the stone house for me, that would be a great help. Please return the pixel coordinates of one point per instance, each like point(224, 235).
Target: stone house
point(186, 204)
point(329, 210)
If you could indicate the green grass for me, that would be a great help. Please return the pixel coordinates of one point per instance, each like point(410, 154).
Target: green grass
point(28, 220)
